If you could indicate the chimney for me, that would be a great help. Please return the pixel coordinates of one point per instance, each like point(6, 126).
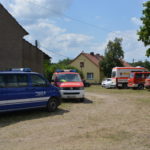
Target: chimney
point(36, 43)
point(92, 53)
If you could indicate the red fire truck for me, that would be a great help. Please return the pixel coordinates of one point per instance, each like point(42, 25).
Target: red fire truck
point(120, 75)
point(137, 79)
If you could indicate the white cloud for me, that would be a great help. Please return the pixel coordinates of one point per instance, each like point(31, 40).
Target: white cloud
point(59, 41)
point(136, 21)
point(56, 39)
point(30, 10)
point(38, 21)
point(131, 46)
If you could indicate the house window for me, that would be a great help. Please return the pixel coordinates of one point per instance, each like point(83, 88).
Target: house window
point(81, 64)
point(90, 76)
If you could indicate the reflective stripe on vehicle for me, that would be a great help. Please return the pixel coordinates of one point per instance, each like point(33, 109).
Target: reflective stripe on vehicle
point(20, 101)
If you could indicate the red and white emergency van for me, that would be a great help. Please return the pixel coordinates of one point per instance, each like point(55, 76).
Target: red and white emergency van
point(69, 83)
point(137, 79)
point(120, 75)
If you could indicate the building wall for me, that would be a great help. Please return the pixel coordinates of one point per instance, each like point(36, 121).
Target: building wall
point(10, 41)
point(89, 67)
point(32, 57)
point(15, 52)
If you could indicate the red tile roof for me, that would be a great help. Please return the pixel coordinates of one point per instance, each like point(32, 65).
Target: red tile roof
point(125, 64)
point(93, 58)
point(96, 58)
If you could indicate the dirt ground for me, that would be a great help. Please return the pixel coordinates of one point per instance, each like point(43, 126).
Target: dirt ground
point(109, 119)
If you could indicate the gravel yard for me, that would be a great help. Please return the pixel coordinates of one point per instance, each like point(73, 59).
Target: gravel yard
point(109, 119)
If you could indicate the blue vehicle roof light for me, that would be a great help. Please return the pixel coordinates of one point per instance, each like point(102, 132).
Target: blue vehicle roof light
point(59, 70)
point(21, 69)
point(73, 70)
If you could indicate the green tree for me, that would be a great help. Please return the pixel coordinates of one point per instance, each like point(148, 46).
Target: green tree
point(145, 64)
point(144, 32)
point(113, 54)
point(50, 68)
point(65, 61)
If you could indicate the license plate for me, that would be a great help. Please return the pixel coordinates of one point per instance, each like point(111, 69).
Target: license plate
point(71, 96)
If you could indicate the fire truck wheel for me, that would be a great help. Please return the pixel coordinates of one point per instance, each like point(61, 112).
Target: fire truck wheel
point(125, 86)
point(140, 86)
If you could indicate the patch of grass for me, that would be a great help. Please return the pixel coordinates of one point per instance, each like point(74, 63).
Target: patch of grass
point(99, 89)
point(145, 101)
point(118, 136)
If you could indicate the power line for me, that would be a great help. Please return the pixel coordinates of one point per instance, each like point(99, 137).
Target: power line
point(54, 52)
point(74, 19)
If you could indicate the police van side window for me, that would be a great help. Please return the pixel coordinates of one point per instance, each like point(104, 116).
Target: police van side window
point(38, 81)
point(2, 82)
point(11, 80)
point(15, 80)
point(22, 80)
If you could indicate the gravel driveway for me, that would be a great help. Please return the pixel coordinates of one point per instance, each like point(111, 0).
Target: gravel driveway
point(105, 121)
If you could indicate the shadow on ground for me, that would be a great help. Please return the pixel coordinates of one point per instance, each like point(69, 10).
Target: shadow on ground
point(86, 101)
point(15, 117)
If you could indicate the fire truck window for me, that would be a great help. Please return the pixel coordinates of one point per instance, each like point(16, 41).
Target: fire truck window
point(137, 76)
point(148, 77)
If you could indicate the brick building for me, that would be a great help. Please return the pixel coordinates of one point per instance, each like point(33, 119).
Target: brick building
point(15, 52)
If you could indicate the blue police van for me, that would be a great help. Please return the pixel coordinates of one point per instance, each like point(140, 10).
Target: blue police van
point(23, 89)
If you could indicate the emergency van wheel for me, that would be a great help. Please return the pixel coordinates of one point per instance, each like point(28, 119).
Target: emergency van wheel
point(81, 99)
point(140, 86)
point(52, 104)
point(125, 86)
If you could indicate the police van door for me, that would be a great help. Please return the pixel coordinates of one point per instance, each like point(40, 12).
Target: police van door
point(38, 89)
point(13, 89)
point(2, 85)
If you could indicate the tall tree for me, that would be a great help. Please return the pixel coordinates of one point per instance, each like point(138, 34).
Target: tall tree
point(144, 32)
point(113, 54)
point(65, 61)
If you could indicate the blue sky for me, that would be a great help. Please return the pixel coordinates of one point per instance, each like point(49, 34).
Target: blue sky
point(64, 28)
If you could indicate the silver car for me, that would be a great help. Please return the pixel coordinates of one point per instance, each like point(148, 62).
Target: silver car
point(107, 83)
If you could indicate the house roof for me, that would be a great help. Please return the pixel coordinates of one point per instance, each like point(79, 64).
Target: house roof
point(96, 58)
point(13, 19)
point(125, 64)
point(46, 56)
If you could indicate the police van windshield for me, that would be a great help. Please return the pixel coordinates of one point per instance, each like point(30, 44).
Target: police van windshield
point(68, 78)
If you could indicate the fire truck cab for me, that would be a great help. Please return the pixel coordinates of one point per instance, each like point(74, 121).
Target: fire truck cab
point(137, 79)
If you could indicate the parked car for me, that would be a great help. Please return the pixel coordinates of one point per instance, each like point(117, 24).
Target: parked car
point(23, 89)
point(147, 82)
point(107, 83)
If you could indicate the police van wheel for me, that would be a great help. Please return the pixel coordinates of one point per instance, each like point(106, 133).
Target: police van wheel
point(52, 104)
